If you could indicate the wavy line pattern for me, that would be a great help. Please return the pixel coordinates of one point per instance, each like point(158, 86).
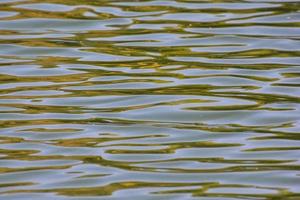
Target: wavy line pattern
point(149, 99)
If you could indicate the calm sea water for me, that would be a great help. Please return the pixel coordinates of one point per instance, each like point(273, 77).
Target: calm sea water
point(151, 100)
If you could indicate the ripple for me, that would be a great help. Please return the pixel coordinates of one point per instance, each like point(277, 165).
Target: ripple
point(157, 99)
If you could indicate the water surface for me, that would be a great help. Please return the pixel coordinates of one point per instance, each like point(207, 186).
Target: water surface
point(153, 100)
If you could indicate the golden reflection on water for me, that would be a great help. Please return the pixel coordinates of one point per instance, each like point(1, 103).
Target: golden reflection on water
point(156, 99)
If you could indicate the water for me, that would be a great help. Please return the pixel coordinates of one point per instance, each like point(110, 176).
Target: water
point(153, 100)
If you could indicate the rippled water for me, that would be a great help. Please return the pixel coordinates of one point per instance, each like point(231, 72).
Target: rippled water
point(153, 100)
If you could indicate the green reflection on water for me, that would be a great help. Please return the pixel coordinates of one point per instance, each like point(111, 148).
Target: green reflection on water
point(169, 99)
